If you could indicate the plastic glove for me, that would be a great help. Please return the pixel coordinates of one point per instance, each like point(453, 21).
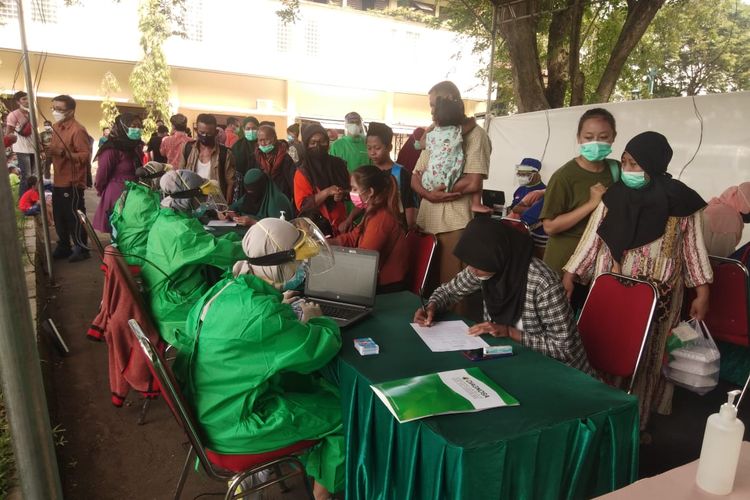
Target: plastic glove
point(310, 310)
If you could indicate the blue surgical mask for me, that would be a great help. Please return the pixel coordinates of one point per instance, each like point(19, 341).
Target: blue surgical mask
point(595, 150)
point(290, 138)
point(266, 149)
point(417, 145)
point(251, 135)
point(296, 281)
point(134, 134)
point(634, 180)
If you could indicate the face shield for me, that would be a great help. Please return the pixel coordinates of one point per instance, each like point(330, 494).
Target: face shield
point(207, 197)
point(310, 247)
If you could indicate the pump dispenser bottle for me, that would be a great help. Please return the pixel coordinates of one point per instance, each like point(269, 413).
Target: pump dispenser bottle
point(721, 449)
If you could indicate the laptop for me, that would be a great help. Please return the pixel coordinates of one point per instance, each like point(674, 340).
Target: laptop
point(345, 293)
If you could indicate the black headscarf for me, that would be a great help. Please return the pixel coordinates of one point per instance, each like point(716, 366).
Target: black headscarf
point(492, 246)
point(322, 170)
point(636, 217)
point(118, 139)
point(244, 150)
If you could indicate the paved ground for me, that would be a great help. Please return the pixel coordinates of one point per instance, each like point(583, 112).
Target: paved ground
point(107, 456)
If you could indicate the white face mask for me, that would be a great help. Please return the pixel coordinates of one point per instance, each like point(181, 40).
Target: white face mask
point(524, 180)
point(58, 115)
point(353, 129)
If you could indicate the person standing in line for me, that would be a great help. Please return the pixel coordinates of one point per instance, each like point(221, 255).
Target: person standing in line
point(231, 132)
point(209, 159)
point(105, 136)
point(446, 214)
point(171, 146)
point(153, 149)
point(70, 150)
point(45, 136)
point(351, 148)
point(18, 123)
point(119, 157)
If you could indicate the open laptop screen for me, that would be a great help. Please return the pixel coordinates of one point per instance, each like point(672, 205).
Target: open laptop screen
point(353, 278)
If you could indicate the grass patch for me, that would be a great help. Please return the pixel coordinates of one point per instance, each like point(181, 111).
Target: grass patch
point(7, 463)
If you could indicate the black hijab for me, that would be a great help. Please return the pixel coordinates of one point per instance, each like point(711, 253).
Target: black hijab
point(243, 150)
point(636, 217)
point(118, 139)
point(322, 169)
point(490, 245)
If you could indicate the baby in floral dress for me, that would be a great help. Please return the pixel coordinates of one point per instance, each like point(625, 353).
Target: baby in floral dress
point(445, 146)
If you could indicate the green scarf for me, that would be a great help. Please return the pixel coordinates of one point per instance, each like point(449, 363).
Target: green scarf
point(262, 198)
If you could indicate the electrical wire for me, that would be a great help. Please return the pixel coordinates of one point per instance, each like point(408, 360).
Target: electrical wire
point(546, 143)
point(700, 140)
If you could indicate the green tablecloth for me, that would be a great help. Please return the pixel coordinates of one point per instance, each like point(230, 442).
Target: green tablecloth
point(571, 437)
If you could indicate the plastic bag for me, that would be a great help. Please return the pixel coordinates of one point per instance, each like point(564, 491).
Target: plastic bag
point(695, 366)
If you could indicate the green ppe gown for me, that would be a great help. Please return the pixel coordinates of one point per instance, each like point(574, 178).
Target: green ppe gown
point(179, 247)
point(250, 375)
point(131, 219)
point(352, 150)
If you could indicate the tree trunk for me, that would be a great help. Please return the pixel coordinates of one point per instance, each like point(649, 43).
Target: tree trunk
point(574, 58)
point(520, 38)
point(640, 15)
point(558, 57)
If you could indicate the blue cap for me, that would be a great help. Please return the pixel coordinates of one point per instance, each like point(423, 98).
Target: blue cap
point(531, 162)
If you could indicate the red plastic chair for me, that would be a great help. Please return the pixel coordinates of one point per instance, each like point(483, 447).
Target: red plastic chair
point(614, 323)
point(516, 224)
point(728, 316)
point(421, 250)
point(224, 468)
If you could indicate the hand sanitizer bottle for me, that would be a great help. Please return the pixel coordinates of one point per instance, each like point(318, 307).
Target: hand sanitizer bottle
point(721, 449)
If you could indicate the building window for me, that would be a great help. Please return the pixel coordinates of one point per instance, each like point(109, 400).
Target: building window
point(43, 11)
point(282, 37)
point(312, 38)
point(8, 11)
point(194, 20)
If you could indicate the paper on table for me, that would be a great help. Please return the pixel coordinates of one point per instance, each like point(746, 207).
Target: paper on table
point(222, 223)
point(445, 336)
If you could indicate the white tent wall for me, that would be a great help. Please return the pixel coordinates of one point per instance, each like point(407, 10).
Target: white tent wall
point(721, 144)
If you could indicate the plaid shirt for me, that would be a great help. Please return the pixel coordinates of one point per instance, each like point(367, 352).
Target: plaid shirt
point(548, 324)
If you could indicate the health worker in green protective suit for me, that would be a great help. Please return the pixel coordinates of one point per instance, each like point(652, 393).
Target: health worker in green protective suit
point(135, 212)
point(181, 256)
point(251, 370)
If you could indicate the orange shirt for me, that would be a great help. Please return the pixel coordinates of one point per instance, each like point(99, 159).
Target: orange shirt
point(70, 149)
point(303, 190)
point(383, 232)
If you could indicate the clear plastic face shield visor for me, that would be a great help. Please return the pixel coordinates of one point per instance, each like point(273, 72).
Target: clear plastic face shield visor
point(208, 196)
point(311, 248)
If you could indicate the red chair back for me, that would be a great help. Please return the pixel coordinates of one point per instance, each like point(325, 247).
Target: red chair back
point(728, 316)
point(516, 224)
point(614, 323)
point(421, 250)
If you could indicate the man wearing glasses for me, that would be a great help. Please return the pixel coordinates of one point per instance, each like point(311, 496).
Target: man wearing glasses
point(70, 150)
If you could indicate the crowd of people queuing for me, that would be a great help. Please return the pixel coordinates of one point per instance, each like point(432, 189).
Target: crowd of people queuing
point(595, 215)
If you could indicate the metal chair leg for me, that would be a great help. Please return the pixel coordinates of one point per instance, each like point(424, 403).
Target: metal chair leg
point(144, 410)
point(183, 475)
point(282, 485)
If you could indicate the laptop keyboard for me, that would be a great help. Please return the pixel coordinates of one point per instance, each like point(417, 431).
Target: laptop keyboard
point(335, 311)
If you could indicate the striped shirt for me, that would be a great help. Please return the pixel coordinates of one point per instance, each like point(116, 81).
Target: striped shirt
point(549, 326)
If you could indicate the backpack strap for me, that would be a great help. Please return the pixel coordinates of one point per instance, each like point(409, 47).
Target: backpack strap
point(396, 172)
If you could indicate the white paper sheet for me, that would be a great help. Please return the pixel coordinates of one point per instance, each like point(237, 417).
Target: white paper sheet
point(445, 336)
point(221, 223)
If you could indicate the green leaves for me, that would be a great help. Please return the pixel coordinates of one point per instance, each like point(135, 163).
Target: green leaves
point(109, 108)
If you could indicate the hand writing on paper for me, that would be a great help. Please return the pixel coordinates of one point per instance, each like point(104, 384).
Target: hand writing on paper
point(425, 318)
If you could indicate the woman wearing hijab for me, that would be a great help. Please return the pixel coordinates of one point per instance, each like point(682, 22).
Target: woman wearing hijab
point(251, 367)
point(322, 181)
point(180, 254)
point(272, 158)
point(725, 218)
point(118, 158)
point(523, 298)
point(243, 151)
point(648, 225)
point(261, 199)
